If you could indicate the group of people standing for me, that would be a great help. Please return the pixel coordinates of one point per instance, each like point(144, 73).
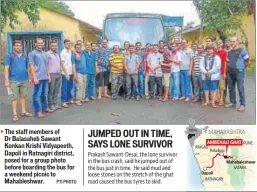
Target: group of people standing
point(177, 72)
point(165, 71)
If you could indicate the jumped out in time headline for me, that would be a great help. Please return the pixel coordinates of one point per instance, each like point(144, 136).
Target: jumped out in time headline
point(166, 142)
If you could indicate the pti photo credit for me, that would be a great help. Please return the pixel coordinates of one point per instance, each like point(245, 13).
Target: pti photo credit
point(128, 95)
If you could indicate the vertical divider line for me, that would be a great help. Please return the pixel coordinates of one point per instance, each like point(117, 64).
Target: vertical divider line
point(83, 158)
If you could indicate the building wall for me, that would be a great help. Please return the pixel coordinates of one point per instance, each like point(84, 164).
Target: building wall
point(249, 28)
point(49, 21)
point(193, 37)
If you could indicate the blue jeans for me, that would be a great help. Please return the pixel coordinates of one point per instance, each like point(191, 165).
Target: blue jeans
point(74, 90)
point(140, 84)
point(39, 96)
point(174, 84)
point(236, 77)
point(66, 90)
point(90, 90)
point(185, 81)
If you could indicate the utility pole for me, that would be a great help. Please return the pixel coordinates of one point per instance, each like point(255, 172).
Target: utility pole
point(201, 31)
point(201, 25)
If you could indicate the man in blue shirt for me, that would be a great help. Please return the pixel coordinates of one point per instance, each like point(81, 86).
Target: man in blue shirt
point(237, 61)
point(90, 62)
point(16, 76)
point(41, 77)
point(132, 64)
point(140, 54)
point(79, 71)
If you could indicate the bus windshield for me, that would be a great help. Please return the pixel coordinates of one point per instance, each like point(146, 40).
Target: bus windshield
point(144, 30)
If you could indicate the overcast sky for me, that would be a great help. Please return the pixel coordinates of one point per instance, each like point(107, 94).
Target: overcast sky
point(94, 12)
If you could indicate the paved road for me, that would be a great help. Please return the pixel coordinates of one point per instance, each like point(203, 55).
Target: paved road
point(140, 112)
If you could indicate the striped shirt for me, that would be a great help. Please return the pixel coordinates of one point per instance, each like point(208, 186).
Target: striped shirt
point(197, 61)
point(118, 61)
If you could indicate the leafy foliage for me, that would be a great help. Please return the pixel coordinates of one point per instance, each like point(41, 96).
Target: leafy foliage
point(222, 15)
point(9, 10)
point(59, 6)
point(252, 66)
point(170, 30)
point(251, 8)
point(189, 24)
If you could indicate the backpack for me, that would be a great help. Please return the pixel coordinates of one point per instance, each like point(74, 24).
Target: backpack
point(12, 55)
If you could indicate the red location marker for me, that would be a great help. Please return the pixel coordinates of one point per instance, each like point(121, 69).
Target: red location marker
point(224, 142)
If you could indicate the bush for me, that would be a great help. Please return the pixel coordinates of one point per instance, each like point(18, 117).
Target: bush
point(251, 66)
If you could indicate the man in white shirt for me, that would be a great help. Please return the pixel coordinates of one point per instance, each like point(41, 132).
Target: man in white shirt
point(175, 72)
point(67, 76)
point(185, 72)
point(155, 60)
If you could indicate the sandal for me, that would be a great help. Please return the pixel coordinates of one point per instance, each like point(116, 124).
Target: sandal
point(64, 105)
point(187, 100)
point(214, 105)
point(15, 118)
point(221, 103)
point(205, 104)
point(195, 100)
point(26, 114)
point(86, 100)
point(107, 96)
point(241, 108)
point(230, 105)
point(70, 102)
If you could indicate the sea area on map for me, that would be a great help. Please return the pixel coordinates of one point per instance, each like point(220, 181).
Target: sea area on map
point(194, 181)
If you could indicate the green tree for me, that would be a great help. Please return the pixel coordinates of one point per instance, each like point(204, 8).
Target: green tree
point(57, 6)
point(169, 30)
point(9, 10)
point(251, 8)
point(224, 16)
point(189, 25)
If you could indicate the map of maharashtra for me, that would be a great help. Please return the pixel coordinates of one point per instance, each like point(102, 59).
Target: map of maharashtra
point(226, 157)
